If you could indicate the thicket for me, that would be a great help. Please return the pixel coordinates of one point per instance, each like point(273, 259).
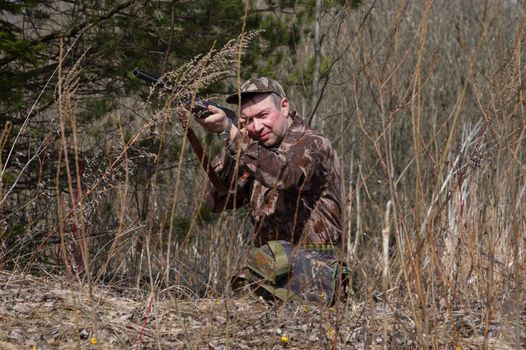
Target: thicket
point(423, 100)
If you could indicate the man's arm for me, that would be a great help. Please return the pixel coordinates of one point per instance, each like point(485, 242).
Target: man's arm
point(225, 168)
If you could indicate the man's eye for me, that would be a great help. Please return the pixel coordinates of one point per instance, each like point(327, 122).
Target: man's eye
point(246, 121)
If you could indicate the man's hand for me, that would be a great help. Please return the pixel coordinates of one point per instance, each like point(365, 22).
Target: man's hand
point(215, 122)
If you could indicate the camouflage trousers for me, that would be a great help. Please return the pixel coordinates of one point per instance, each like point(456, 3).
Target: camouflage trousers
point(282, 270)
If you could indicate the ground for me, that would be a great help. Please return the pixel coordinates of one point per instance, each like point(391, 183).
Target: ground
point(52, 313)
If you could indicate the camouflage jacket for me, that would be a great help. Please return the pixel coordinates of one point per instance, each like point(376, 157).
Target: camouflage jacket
point(294, 190)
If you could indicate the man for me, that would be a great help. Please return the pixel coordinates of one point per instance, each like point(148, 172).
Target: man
point(294, 188)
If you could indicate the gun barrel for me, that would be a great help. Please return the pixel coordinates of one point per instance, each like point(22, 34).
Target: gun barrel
point(145, 76)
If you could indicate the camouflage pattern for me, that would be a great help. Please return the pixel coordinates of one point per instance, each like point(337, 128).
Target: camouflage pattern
point(294, 191)
point(287, 272)
point(256, 86)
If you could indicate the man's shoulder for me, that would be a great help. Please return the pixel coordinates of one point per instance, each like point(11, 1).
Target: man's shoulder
point(308, 135)
point(312, 132)
point(309, 142)
point(299, 126)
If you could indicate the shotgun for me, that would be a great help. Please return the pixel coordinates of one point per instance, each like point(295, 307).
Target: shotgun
point(199, 105)
point(199, 108)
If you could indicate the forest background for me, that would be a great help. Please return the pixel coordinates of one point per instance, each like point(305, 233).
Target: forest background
point(103, 231)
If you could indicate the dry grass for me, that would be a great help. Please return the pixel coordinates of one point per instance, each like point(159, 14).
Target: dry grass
point(54, 313)
point(427, 112)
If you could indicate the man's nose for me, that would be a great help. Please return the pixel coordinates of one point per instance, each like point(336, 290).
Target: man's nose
point(258, 125)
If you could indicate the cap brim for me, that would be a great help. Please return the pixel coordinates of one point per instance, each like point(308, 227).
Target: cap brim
point(234, 99)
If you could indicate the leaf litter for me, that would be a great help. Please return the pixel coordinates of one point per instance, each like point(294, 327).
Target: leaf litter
point(52, 313)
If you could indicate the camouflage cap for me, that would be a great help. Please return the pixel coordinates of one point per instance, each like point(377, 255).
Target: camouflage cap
point(257, 86)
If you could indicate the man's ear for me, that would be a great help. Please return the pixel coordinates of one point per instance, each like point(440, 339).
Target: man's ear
point(284, 104)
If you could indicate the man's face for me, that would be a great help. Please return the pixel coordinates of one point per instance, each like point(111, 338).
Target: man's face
point(263, 120)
